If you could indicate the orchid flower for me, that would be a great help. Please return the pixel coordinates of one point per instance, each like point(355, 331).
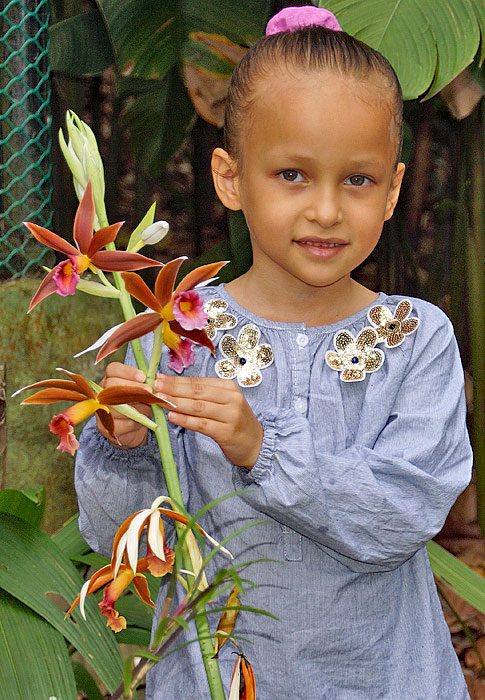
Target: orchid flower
point(86, 402)
point(64, 277)
point(125, 565)
point(180, 312)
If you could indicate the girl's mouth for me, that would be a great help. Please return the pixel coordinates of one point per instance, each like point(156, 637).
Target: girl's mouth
point(321, 248)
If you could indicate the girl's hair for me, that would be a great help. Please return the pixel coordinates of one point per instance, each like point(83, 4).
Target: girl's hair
point(309, 48)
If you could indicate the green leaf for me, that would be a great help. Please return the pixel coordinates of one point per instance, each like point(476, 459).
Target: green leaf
point(80, 45)
point(242, 22)
point(35, 662)
point(134, 635)
point(27, 504)
point(427, 42)
point(33, 570)
point(458, 576)
point(158, 119)
point(85, 682)
point(146, 35)
point(69, 539)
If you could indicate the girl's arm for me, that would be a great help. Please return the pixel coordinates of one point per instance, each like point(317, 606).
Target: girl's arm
point(370, 507)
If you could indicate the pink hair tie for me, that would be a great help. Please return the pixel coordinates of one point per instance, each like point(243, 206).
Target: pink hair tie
point(292, 18)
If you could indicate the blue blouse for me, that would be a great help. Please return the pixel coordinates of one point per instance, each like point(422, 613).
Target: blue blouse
point(353, 478)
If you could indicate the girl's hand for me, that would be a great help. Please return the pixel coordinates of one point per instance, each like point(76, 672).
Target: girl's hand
point(216, 408)
point(129, 432)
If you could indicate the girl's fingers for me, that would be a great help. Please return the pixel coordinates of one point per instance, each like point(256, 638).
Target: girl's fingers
point(211, 428)
point(203, 409)
point(205, 389)
point(117, 370)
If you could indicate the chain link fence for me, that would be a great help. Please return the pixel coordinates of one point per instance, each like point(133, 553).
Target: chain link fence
point(25, 138)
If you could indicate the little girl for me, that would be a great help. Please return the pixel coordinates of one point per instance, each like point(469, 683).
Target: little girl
point(338, 412)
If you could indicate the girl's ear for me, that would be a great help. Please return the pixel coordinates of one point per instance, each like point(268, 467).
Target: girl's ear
point(225, 179)
point(395, 188)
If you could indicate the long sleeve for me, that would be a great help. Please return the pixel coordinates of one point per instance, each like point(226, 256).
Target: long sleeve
point(375, 503)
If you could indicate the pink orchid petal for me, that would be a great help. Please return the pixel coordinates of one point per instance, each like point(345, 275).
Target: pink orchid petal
point(121, 260)
point(84, 220)
point(134, 328)
point(139, 289)
point(66, 277)
point(62, 427)
point(102, 237)
point(182, 357)
point(51, 240)
point(188, 310)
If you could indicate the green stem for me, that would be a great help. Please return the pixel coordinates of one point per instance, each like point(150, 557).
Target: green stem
point(171, 476)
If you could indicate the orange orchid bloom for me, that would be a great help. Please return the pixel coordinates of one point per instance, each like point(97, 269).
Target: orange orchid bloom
point(125, 565)
point(63, 278)
point(243, 683)
point(179, 311)
point(86, 402)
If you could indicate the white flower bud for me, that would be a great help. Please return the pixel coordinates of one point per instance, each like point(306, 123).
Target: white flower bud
point(155, 232)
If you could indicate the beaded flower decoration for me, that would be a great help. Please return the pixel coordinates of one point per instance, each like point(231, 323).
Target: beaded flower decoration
point(219, 320)
point(244, 358)
point(354, 357)
point(393, 329)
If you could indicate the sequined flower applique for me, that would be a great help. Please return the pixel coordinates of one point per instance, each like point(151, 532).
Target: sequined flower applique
point(393, 329)
point(244, 358)
point(355, 356)
point(219, 320)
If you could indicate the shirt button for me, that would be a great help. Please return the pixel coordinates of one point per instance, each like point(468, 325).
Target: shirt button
point(302, 340)
point(300, 405)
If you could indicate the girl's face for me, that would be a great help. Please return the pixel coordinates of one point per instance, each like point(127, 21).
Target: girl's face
point(316, 179)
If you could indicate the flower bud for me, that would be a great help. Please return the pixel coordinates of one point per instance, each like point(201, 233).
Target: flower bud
point(155, 232)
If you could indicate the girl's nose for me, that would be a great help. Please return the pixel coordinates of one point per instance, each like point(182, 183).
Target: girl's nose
point(325, 208)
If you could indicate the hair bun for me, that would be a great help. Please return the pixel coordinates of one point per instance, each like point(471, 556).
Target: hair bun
point(291, 18)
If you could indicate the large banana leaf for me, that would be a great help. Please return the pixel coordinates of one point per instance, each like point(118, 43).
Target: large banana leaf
point(158, 116)
point(24, 635)
point(34, 570)
point(145, 34)
point(428, 43)
point(80, 45)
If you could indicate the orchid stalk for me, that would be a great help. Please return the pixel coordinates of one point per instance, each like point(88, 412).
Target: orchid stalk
point(83, 158)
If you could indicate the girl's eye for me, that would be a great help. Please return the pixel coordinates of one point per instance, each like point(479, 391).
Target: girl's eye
point(357, 180)
point(291, 175)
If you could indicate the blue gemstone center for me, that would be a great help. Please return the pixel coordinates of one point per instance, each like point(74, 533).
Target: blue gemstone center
point(355, 360)
point(242, 360)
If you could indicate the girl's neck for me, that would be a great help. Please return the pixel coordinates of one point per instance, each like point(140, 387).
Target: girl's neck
point(314, 306)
